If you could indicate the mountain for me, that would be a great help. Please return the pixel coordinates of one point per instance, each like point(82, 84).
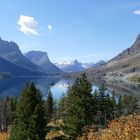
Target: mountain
point(42, 60)
point(76, 66)
point(93, 65)
point(9, 69)
point(88, 65)
point(124, 64)
point(99, 63)
point(70, 66)
point(10, 51)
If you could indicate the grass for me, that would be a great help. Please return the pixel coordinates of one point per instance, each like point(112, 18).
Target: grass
point(134, 78)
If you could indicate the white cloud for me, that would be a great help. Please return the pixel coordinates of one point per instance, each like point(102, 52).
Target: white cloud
point(137, 12)
point(50, 28)
point(27, 25)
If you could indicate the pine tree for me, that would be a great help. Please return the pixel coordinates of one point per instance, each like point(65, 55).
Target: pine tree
point(80, 109)
point(106, 105)
point(119, 106)
point(62, 106)
point(49, 106)
point(30, 123)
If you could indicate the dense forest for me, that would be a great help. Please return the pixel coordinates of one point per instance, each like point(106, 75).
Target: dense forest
point(79, 114)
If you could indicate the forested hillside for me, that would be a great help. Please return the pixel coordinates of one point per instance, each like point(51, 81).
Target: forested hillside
point(80, 114)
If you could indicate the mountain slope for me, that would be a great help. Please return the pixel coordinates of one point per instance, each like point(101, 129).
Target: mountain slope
point(41, 59)
point(8, 68)
point(125, 63)
point(10, 51)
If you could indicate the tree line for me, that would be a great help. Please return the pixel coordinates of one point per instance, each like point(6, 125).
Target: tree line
point(28, 116)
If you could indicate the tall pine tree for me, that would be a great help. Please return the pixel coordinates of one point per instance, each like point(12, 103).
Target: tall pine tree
point(80, 109)
point(49, 105)
point(30, 123)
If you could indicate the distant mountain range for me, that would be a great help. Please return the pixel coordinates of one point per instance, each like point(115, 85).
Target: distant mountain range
point(33, 63)
point(76, 66)
point(37, 63)
point(13, 62)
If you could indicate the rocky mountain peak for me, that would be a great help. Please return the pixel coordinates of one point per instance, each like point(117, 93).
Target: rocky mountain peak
point(6, 46)
point(36, 56)
point(138, 37)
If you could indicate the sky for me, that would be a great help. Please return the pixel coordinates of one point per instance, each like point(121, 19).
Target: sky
point(87, 30)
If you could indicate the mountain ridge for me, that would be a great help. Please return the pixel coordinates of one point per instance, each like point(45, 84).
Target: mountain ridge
point(10, 51)
point(123, 65)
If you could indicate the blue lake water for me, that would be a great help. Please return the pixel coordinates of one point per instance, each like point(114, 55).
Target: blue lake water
point(14, 86)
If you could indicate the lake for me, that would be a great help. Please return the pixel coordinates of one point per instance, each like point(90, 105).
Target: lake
point(13, 86)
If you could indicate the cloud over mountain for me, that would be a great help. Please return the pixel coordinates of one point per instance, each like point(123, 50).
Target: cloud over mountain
point(27, 25)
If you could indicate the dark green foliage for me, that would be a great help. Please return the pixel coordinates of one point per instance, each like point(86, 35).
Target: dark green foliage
point(49, 106)
point(55, 115)
point(119, 106)
point(30, 123)
point(80, 109)
point(62, 106)
point(106, 105)
point(7, 112)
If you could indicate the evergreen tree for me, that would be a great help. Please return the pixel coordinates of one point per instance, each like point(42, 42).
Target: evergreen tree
point(7, 112)
point(62, 106)
point(106, 105)
point(119, 106)
point(30, 123)
point(49, 105)
point(80, 109)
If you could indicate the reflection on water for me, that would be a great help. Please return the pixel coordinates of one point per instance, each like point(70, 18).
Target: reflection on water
point(13, 86)
point(121, 87)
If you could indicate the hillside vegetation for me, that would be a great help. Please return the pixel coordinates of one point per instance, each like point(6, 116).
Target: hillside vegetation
point(123, 128)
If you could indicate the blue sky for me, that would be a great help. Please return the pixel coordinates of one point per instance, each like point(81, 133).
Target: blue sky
point(87, 30)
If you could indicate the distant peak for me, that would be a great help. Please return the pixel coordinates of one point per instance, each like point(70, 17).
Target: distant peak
point(75, 60)
point(8, 46)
